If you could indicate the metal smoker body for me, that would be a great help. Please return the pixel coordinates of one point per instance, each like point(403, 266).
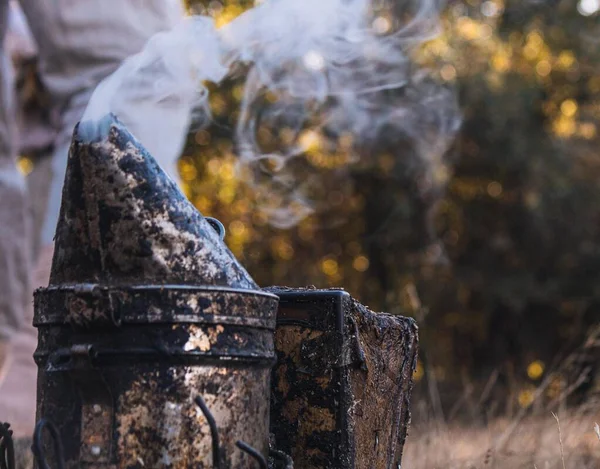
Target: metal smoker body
point(147, 310)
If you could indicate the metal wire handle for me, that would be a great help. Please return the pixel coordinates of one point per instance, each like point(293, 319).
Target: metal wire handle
point(38, 446)
point(214, 432)
point(262, 462)
point(216, 447)
point(217, 225)
point(7, 447)
point(7, 452)
point(285, 460)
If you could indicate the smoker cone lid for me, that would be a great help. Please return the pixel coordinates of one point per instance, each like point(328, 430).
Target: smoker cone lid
point(123, 221)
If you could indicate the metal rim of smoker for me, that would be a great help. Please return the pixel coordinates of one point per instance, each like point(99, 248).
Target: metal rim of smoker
point(179, 311)
point(117, 306)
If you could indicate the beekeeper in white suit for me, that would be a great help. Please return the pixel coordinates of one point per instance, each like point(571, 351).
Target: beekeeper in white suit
point(79, 43)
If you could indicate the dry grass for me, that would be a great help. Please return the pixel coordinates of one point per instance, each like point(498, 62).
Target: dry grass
point(23, 454)
point(546, 434)
point(535, 443)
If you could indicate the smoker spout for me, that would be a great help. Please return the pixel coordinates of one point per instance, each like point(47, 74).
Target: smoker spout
point(123, 219)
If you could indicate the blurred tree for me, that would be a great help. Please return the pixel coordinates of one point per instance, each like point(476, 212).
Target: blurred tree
point(502, 269)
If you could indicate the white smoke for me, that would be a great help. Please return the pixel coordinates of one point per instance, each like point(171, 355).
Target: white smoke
point(155, 92)
point(331, 62)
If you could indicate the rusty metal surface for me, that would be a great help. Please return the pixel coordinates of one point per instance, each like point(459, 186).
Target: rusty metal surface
point(147, 311)
point(309, 399)
point(123, 219)
point(86, 305)
point(23, 453)
point(123, 395)
point(342, 382)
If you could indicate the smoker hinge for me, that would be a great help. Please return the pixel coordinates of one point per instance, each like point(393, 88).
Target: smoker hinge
point(97, 406)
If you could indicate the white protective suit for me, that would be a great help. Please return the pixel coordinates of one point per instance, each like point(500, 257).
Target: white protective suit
point(79, 43)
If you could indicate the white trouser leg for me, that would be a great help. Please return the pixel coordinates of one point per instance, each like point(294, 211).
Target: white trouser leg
point(15, 246)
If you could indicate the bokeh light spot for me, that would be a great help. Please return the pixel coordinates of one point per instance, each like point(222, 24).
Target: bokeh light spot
point(313, 60)
point(360, 263)
point(382, 25)
point(526, 397)
point(448, 72)
point(535, 370)
point(543, 68)
point(588, 7)
point(24, 165)
point(490, 9)
point(494, 189)
point(569, 108)
point(329, 267)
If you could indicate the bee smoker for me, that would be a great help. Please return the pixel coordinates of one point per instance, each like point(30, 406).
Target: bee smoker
point(146, 312)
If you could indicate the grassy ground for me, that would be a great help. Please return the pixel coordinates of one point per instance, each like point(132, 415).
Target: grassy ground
point(23, 454)
point(534, 443)
point(564, 441)
point(543, 434)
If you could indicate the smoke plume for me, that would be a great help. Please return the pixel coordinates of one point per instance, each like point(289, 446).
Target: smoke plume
point(318, 72)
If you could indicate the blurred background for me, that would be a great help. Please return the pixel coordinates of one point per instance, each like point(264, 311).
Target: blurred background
point(492, 245)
